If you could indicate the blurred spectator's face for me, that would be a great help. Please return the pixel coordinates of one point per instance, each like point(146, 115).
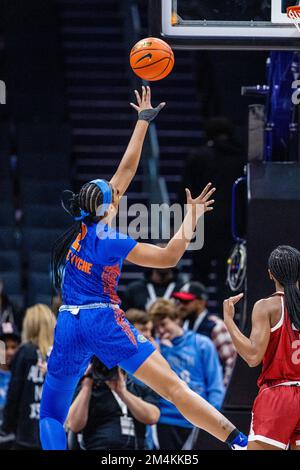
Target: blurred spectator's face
point(168, 328)
point(145, 330)
point(191, 307)
point(11, 346)
point(161, 276)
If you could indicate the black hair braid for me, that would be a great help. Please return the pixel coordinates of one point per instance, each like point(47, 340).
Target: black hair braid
point(284, 264)
point(75, 206)
point(59, 253)
point(88, 199)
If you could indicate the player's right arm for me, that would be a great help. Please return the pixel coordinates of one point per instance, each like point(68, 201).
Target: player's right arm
point(131, 158)
point(151, 256)
point(251, 349)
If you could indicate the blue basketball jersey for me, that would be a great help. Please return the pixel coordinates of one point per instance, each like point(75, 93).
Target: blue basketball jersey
point(93, 265)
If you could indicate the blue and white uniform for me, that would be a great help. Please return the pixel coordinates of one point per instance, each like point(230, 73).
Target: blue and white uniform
point(90, 322)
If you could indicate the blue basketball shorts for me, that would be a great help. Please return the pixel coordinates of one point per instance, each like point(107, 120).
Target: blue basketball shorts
point(103, 332)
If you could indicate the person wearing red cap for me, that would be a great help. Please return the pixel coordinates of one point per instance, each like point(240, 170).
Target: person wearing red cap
point(192, 299)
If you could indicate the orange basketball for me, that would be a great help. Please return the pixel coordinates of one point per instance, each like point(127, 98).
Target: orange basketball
point(151, 59)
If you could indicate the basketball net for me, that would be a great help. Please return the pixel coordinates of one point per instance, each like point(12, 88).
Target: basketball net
point(294, 14)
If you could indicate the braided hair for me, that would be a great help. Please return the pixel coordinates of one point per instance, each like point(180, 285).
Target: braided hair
point(82, 207)
point(284, 264)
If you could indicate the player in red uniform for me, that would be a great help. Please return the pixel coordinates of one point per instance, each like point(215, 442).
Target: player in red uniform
point(274, 341)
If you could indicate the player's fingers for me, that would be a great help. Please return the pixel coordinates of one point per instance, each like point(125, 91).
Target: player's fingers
point(134, 106)
point(208, 195)
point(138, 98)
point(236, 298)
point(148, 95)
point(209, 203)
point(188, 194)
point(209, 209)
point(205, 190)
point(161, 105)
point(144, 94)
point(204, 197)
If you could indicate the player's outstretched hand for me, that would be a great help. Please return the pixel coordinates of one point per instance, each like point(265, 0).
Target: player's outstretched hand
point(228, 306)
point(203, 199)
point(143, 107)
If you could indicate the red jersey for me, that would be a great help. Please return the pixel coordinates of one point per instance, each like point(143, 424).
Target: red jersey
point(281, 362)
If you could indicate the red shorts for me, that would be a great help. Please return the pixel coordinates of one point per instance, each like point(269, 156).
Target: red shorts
point(276, 416)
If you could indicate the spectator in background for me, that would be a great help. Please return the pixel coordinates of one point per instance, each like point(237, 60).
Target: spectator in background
point(194, 359)
point(11, 338)
point(142, 322)
point(156, 283)
point(192, 299)
point(22, 411)
point(9, 334)
point(111, 410)
point(220, 161)
point(8, 311)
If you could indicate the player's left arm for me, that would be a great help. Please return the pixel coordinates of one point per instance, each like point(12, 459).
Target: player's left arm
point(131, 158)
point(252, 349)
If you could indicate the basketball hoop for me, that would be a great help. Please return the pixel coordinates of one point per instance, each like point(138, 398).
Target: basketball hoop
point(294, 14)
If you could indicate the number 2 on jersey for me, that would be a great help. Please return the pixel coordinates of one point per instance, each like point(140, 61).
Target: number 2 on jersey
point(76, 244)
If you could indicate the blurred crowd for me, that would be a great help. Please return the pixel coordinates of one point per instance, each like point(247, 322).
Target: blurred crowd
point(110, 408)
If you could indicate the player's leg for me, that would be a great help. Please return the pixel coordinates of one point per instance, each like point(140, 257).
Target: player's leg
point(295, 439)
point(258, 445)
point(273, 419)
point(295, 447)
point(67, 363)
point(57, 396)
point(157, 374)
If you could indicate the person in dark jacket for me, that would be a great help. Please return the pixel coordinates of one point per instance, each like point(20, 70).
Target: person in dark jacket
point(193, 310)
point(8, 311)
point(10, 339)
point(156, 283)
point(111, 409)
point(22, 411)
point(220, 161)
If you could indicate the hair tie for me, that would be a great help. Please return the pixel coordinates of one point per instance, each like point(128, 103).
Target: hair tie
point(106, 191)
point(83, 214)
point(69, 201)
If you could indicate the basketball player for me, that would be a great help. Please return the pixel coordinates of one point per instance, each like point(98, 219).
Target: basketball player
point(86, 263)
point(274, 341)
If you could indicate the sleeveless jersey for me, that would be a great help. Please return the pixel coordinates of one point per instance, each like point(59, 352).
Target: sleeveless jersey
point(93, 265)
point(281, 362)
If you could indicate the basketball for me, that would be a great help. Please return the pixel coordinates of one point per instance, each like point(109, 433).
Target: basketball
point(151, 59)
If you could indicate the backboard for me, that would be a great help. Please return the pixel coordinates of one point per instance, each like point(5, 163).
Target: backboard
point(224, 24)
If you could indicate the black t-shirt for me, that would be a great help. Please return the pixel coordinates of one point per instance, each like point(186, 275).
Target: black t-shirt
point(137, 295)
point(22, 410)
point(103, 429)
point(221, 164)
